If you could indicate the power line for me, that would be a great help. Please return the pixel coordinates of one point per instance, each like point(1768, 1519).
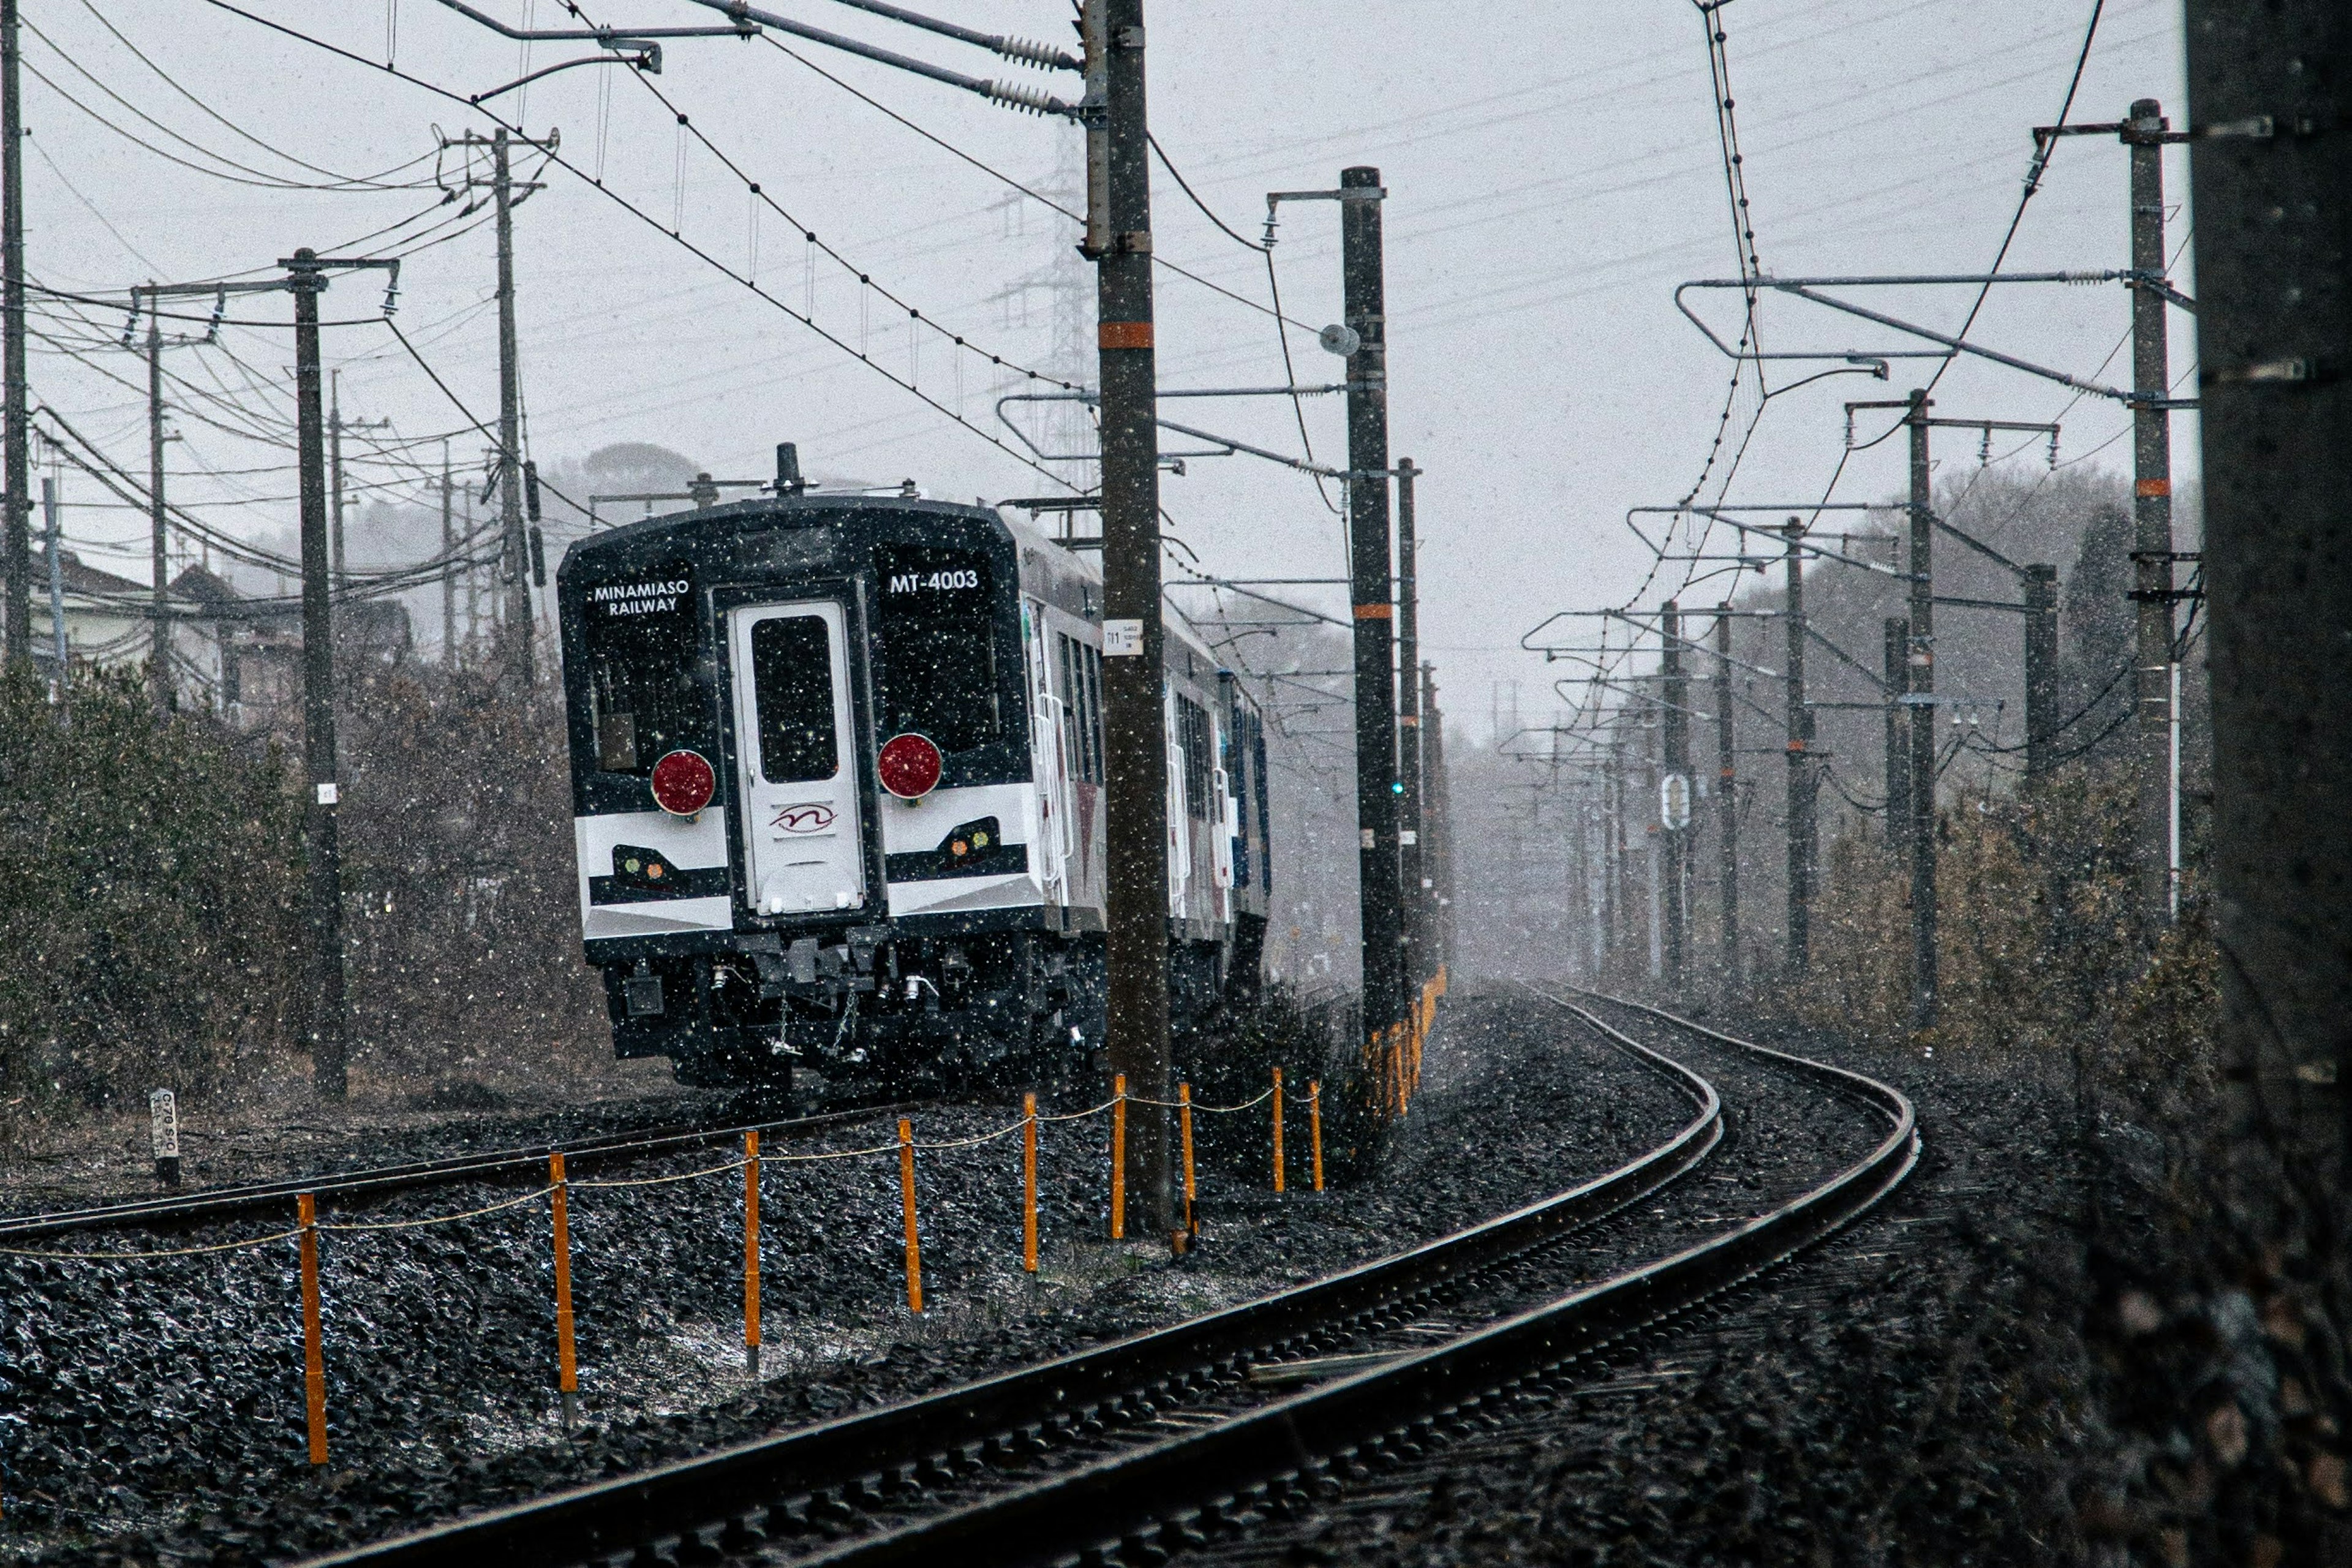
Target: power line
point(633, 210)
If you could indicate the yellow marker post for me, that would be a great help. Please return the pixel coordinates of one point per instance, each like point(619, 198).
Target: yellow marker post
point(1119, 1158)
point(1277, 1130)
point(1029, 1182)
point(314, 1353)
point(567, 1367)
point(1315, 1127)
point(751, 1253)
point(1184, 1120)
point(907, 1199)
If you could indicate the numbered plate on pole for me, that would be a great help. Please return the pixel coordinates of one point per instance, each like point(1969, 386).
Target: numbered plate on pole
point(1675, 802)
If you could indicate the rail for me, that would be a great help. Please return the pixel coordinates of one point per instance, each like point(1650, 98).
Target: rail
point(1005, 1416)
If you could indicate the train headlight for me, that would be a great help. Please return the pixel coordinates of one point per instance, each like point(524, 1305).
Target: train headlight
point(683, 783)
point(908, 765)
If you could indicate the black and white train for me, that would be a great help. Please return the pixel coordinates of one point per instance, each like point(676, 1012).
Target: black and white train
point(837, 792)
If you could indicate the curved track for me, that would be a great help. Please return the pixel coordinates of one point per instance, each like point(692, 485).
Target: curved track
point(1184, 1430)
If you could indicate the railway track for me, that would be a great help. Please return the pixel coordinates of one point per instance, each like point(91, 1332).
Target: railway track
point(179, 1211)
point(1166, 1439)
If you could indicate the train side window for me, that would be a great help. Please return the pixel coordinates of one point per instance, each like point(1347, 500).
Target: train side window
point(1193, 740)
point(937, 664)
point(1074, 709)
point(1091, 658)
point(792, 682)
point(643, 644)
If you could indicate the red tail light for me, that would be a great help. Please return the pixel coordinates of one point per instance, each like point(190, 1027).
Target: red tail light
point(683, 783)
point(908, 766)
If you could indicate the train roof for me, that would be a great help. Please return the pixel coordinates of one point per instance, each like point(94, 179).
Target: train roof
point(1040, 554)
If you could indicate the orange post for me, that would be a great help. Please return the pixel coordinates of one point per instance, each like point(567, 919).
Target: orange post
point(1118, 1157)
point(1277, 1130)
point(567, 1367)
point(1315, 1127)
point(751, 1252)
point(1184, 1120)
point(1029, 1182)
point(906, 1198)
point(314, 1354)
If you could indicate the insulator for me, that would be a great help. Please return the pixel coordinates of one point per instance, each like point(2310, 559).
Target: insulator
point(1035, 101)
point(1036, 54)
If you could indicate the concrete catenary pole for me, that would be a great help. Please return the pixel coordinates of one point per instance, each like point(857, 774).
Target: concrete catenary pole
point(335, 479)
point(2151, 515)
point(1727, 807)
point(448, 566)
point(1799, 803)
point(16, 457)
point(159, 644)
point(2272, 172)
point(1134, 731)
point(1412, 900)
point(1363, 309)
point(1897, 665)
point(1437, 818)
point(1674, 750)
point(514, 567)
point(1921, 697)
point(323, 870)
point(2041, 586)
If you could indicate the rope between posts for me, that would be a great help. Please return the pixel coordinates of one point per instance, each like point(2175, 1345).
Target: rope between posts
point(438, 1218)
point(1082, 1115)
point(168, 1252)
point(662, 1181)
point(1262, 1097)
point(982, 1138)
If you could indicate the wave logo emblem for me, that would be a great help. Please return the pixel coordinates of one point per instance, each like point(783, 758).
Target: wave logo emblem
point(809, 817)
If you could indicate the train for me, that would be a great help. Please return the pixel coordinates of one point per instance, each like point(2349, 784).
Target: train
point(837, 774)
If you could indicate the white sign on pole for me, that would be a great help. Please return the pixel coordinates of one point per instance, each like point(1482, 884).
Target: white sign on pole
point(1675, 802)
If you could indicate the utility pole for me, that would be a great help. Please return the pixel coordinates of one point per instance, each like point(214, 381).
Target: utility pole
point(307, 279)
point(1727, 806)
point(514, 558)
point(1118, 238)
point(1897, 680)
point(1438, 819)
point(2144, 133)
point(2274, 162)
point(448, 567)
point(2041, 586)
point(1414, 923)
point(159, 660)
point(1921, 698)
point(1611, 809)
point(518, 618)
point(16, 485)
point(1364, 311)
point(1800, 776)
point(335, 474)
point(59, 652)
point(1673, 745)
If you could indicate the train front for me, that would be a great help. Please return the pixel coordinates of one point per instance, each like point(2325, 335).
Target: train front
point(802, 798)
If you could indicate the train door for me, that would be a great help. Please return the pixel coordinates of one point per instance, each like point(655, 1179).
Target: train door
point(1180, 825)
point(1056, 835)
point(1221, 822)
point(803, 839)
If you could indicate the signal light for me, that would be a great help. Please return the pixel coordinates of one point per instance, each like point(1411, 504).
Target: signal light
point(683, 783)
point(908, 765)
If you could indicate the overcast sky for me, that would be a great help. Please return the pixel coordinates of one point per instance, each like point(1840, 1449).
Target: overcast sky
point(1553, 172)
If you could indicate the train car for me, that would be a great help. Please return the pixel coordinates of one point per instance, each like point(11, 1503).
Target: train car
point(837, 792)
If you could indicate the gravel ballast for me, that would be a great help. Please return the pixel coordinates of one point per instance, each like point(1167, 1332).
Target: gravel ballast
point(155, 1408)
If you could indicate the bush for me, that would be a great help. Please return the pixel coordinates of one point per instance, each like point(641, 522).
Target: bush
point(150, 908)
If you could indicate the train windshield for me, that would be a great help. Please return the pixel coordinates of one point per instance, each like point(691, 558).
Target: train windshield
point(643, 639)
point(936, 662)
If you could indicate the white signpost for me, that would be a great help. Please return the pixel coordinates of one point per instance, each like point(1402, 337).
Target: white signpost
point(1675, 802)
